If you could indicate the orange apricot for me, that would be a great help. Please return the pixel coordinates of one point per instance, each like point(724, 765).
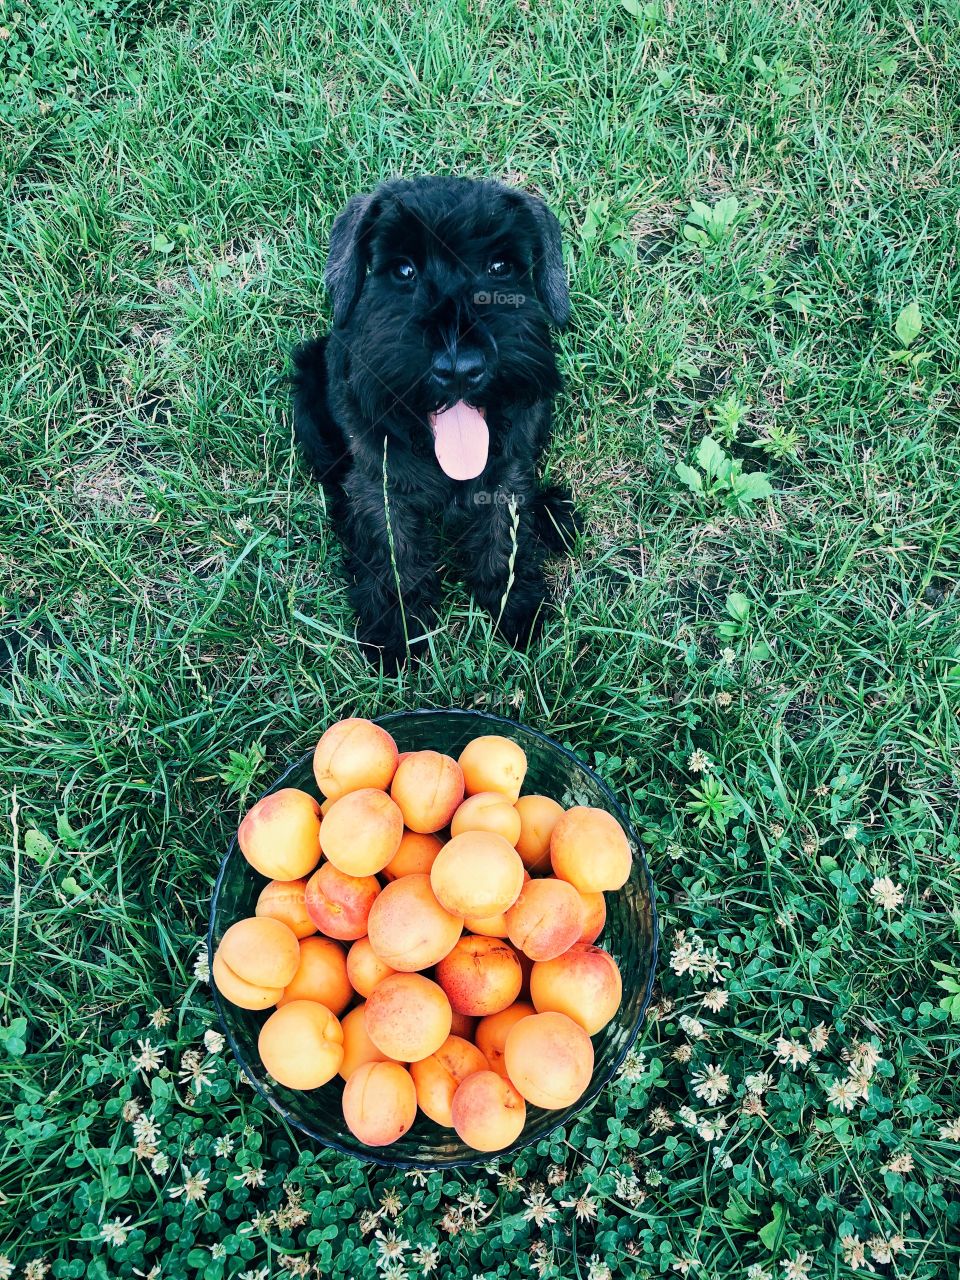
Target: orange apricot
point(361, 832)
point(286, 900)
point(463, 1025)
point(321, 976)
point(438, 1077)
point(546, 919)
point(379, 1103)
point(408, 1017)
point(594, 908)
point(358, 1048)
point(339, 904)
point(591, 850)
point(245, 995)
point(408, 928)
point(480, 976)
point(488, 1113)
point(352, 754)
point(415, 855)
point(487, 811)
point(549, 1059)
point(584, 983)
point(538, 816)
point(493, 763)
point(492, 1032)
point(301, 1045)
point(261, 950)
point(428, 787)
point(280, 835)
point(477, 874)
point(365, 969)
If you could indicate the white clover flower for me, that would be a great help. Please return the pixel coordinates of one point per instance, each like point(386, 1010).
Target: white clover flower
point(115, 1232)
point(149, 1058)
point(213, 1041)
point(887, 894)
point(791, 1053)
point(712, 1084)
point(843, 1095)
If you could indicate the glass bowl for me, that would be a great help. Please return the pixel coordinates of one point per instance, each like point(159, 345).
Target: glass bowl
point(630, 935)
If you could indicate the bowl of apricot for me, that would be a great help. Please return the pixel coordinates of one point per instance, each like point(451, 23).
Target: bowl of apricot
point(433, 940)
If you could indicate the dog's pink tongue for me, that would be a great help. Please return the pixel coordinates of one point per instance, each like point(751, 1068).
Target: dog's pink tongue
point(461, 440)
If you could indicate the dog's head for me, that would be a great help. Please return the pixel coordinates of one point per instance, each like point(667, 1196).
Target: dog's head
point(445, 291)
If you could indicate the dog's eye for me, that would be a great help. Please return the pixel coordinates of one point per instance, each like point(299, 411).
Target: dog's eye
point(499, 268)
point(404, 271)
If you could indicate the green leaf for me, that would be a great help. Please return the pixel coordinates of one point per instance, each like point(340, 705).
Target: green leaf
point(724, 212)
point(752, 486)
point(690, 477)
point(72, 839)
point(738, 606)
point(39, 847)
point(711, 457)
point(632, 7)
point(161, 244)
point(909, 324)
point(772, 1233)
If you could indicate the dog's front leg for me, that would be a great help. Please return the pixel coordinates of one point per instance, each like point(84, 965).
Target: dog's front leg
point(503, 561)
point(394, 566)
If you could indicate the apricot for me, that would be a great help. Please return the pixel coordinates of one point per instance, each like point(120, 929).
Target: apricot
point(549, 1059)
point(246, 995)
point(463, 1025)
point(261, 950)
point(428, 787)
point(487, 1112)
point(492, 1032)
point(492, 763)
point(408, 1017)
point(280, 836)
point(480, 976)
point(584, 983)
point(301, 1045)
point(339, 904)
point(546, 919)
point(415, 855)
point(285, 900)
point(408, 928)
point(538, 816)
point(365, 969)
point(487, 926)
point(594, 909)
point(379, 1103)
point(358, 1048)
point(321, 976)
point(487, 811)
point(438, 1077)
point(477, 874)
point(361, 832)
point(352, 754)
point(591, 850)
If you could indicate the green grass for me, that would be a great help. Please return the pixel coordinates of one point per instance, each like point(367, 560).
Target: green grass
point(173, 592)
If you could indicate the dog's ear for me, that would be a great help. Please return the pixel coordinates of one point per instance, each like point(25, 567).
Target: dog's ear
point(549, 276)
point(347, 256)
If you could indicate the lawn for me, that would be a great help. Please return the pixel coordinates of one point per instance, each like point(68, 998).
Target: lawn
point(756, 642)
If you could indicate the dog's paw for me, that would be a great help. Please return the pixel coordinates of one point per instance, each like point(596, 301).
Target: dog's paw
point(556, 520)
point(522, 620)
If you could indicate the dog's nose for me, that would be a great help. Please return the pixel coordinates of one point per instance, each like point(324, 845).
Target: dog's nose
point(458, 373)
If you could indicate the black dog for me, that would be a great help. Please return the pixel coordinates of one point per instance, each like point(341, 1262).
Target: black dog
point(426, 408)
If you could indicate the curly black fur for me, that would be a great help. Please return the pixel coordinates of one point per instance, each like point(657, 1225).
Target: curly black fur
point(364, 392)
